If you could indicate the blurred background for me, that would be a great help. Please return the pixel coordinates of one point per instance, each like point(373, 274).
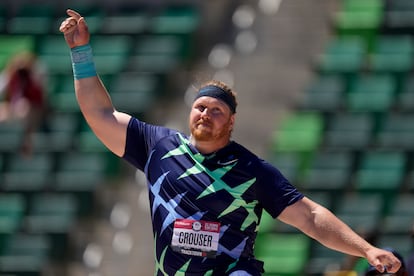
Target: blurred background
point(325, 91)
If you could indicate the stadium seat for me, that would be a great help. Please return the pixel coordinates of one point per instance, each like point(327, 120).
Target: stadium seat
point(366, 5)
point(25, 255)
point(405, 99)
point(80, 174)
point(351, 131)
point(58, 133)
point(32, 19)
point(11, 133)
point(399, 21)
point(111, 52)
point(344, 57)
point(323, 94)
point(28, 174)
point(133, 23)
point(321, 259)
point(396, 131)
point(329, 171)
point(53, 214)
point(363, 23)
point(298, 132)
point(289, 164)
point(381, 172)
point(393, 54)
point(54, 52)
point(283, 254)
point(135, 92)
point(372, 93)
point(12, 210)
point(362, 212)
point(13, 44)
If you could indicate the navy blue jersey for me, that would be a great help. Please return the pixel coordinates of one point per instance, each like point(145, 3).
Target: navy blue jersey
point(205, 209)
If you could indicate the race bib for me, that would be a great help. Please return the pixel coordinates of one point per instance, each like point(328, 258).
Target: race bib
point(196, 237)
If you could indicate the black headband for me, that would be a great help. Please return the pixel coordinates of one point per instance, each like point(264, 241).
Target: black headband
point(218, 93)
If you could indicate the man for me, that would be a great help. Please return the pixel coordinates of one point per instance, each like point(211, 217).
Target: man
point(206, 192)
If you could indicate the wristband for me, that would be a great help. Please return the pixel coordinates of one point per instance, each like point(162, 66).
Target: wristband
point(82, 62)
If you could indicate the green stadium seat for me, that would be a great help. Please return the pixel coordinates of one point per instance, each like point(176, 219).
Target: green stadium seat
point(31, 19)
point(298, 132)
point(393, 55)
point(134, 92)
point(54, 215)
point(132, 23)
point(362, 23)
point(396, 132)
point(111, 52)
point(58, 135)
point(343, 56)
point(321, 258)
point(366, 5)
point(351, 131)
point(381, 172)
point(372, 93)
point(175, 20)
point(289, 164)
point(399, 21)
point(283, 254)
point(400, 5)
point(405, 99)
point(11, 134)
point(12, 209)
point(362, 212)
point(329, 171)
point(397, 224)
point(64, 99)
point(28, 174)
point(324, 94)
point(25, 255)
point(81, 174)
point(267, 223)
point(13, 44)
point(182, 21)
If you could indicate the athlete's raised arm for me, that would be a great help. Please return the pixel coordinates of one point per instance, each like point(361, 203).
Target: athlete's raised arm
point(107, 123)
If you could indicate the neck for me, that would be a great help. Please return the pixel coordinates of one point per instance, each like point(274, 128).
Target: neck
point(208, 147)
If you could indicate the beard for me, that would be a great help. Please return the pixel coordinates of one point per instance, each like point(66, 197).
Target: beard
point(203, 131)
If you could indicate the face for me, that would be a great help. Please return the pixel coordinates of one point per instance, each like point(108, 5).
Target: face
point(210, 120)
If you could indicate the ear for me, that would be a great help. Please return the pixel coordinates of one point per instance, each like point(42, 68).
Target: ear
point(232, 121)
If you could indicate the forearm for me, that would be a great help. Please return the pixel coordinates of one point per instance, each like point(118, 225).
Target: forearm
point(326, 228)
point(95, 103)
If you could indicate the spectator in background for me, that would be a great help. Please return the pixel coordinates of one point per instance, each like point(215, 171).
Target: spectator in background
point(22, 90)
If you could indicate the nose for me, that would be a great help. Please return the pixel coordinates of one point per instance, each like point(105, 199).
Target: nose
point(205, 113)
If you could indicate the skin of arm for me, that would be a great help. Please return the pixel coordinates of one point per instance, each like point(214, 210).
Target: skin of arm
point(106, 122)
point(322, 225)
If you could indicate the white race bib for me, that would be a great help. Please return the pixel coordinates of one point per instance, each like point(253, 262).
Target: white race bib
point(196, 237)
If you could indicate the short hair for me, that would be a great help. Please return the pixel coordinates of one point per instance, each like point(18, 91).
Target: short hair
point(224, 87)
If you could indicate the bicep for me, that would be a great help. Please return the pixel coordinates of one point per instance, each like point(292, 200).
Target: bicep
point(111, 129)
point(300, 214)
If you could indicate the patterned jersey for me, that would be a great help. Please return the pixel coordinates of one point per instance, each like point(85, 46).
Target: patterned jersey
point(205, 209)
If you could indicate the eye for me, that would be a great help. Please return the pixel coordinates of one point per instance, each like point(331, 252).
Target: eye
point(200, 107)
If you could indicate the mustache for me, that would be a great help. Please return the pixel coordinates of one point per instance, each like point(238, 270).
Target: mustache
point(203, 121)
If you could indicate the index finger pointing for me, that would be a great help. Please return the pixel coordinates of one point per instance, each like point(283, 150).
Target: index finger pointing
point(73, 14)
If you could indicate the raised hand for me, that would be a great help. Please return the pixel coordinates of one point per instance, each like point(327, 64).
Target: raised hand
point(74, 29)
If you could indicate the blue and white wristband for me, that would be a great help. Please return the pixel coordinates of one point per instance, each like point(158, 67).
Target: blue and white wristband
point(82, 62)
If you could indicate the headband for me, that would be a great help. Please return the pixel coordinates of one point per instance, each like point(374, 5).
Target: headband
point(218, 93)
